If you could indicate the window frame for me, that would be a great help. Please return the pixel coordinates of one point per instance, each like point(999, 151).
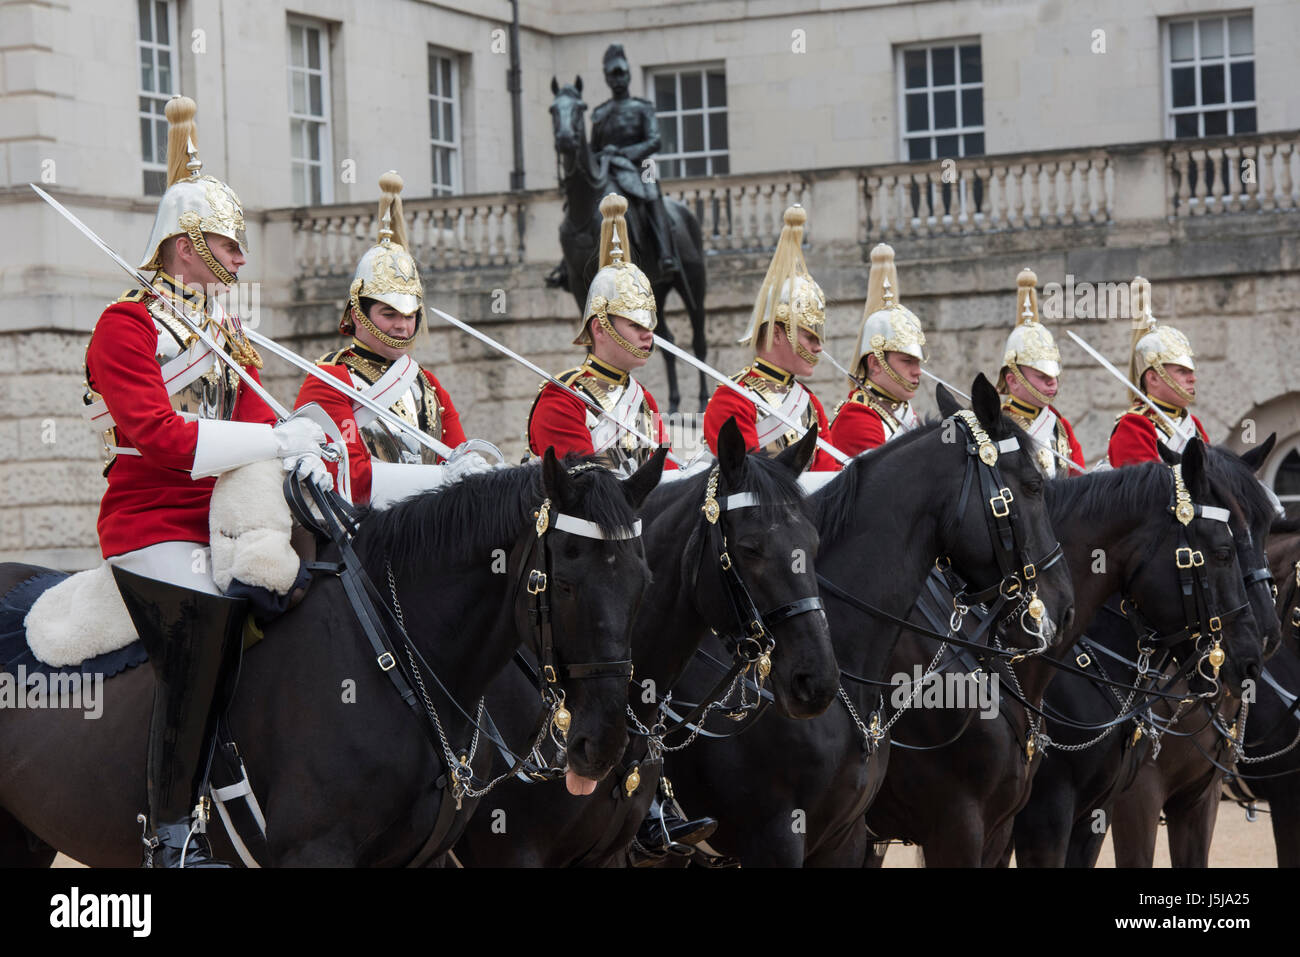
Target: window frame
point(156, 119)
point(1228, 106)
point(708, 155)
point(961, 132)
point(456, 146)
point(324, 121)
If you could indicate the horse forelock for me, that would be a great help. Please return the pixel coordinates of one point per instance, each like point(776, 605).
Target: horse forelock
point(1128, 490)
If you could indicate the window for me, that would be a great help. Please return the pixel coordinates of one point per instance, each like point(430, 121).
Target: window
point(1211, 89)
point(158, 81)
point(1286, 475)
point(691, 106)
point(309, 112)
point(942, 106)
point(444, 122)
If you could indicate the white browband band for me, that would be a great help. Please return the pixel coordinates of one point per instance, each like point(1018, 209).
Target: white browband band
point(1216, 513)
point(740, 500)
point(580, 526)
point(1009, 445)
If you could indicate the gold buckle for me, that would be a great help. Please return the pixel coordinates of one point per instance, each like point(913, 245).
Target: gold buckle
point(1005, 503)
point(725, 560)
point(536, 582)
point(386, 662)
point(756, 629)
point(1030, 572)
point(1083, 660)
point(1216, 624)
point(549, 672)
point(1198, 558)
point(1180, 560)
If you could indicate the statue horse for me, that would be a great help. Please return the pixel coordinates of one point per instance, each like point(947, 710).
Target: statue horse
point(346, 773)
point(795, 793)
point(983, 768)
point(763, 520)
point(585, 181)
point(1059, 825)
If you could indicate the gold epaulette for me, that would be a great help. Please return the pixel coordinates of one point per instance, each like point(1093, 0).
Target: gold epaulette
point(570, 376)
point(1141, 410)
point(859, 396)
point(133, 295)
point(331, 358)
point(741, 374)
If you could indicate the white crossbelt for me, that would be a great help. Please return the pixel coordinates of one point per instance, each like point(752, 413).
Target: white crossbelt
point(792, 407)
point(387, 389)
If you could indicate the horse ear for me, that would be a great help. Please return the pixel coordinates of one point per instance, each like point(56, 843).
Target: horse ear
point(1168, 455)
point(1255, 457)
point(553, 477)
point(984, 402)
point(577, 83)
point(731, 453)
point(948, 403)
point(1194, 477)
point(555, 87)
point(643, 481)
point(797, 457)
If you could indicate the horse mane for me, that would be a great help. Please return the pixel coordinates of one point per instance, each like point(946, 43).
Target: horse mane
point(834, 504)
point(1285, 526)
point(463, 522)
point(1226, 470)
point(1128, 489)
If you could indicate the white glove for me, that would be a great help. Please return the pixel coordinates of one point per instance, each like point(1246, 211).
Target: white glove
point(308, 467)
point(464, 462)
point(296, 436)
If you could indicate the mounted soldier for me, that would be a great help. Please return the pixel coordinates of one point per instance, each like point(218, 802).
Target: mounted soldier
point(891, 348)
point(384, 315)
point(1161, 365)
point(786, 333)
point(617, 329)
point(1029, 380)
point(625, 131)
point(176, 417)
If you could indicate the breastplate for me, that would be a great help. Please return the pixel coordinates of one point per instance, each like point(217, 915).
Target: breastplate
point(418, 405)
point(626, 454)
point(210, 396)
point(775, 396)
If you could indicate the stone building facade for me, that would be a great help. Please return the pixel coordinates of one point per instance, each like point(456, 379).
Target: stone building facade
point(975, 138)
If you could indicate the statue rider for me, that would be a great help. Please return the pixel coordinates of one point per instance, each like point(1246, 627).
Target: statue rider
point(624, 129)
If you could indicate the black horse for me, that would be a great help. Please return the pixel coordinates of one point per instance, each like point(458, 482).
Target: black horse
point(1270, 768)
point(1108, 522)
point(790, 793)
point(585, 181)
point(772, 543)
point(345, 772)
point(1077, 792)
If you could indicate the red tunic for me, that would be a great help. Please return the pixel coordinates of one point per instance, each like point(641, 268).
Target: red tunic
point(559, 421)
point(151, 497)
point(726, 403)
point(339, 408)
point(1076, 450)
point(1135, 437)
point(856, 428)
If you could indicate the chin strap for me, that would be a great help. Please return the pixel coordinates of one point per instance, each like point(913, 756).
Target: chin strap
point(624, 344)
point(364, 321)
point(1038, 396)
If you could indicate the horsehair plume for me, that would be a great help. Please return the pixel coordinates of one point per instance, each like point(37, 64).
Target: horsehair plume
point(882, 268)
point(1027, 280)
point(1142, 322)
point(612, 210)
point(390, 201)
point(181, 131)
point(787, 263)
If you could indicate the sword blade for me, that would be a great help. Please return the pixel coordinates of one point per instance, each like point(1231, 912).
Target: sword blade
point(1106, 364)
point(355, 395)
point(533, 367)
point(281, 412)
point(947, 385)
point(758, 401)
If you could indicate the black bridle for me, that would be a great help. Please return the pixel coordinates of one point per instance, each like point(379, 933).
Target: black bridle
point(749, 635)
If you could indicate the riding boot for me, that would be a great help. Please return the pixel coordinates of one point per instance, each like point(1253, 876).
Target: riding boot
point(663, 231)
point(194, 642)
point(665, 831)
